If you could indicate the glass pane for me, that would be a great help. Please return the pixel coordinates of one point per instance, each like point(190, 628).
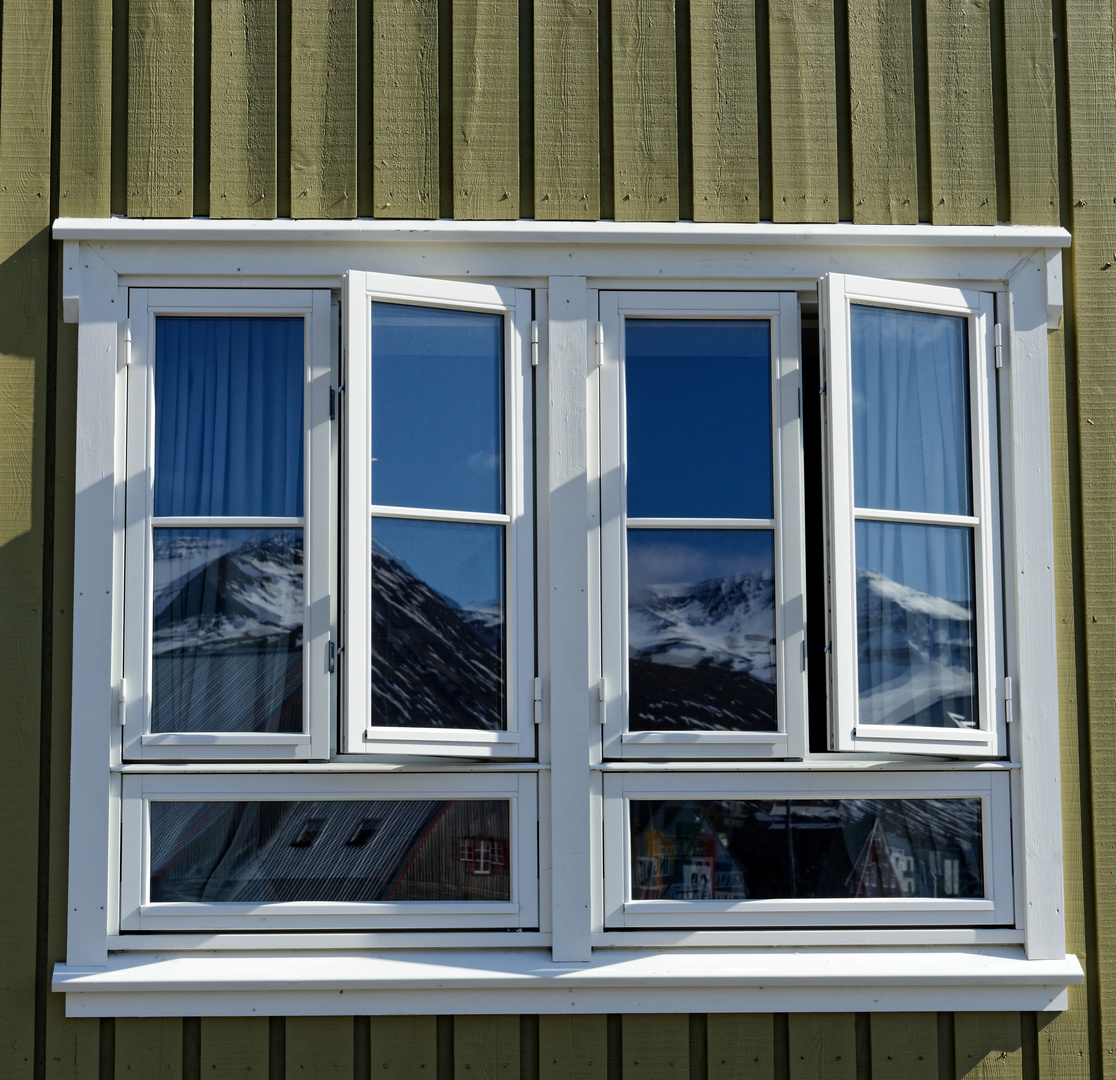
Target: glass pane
point(330, 850)
point(438, 624)
point(915, 624)
point(910, 410)
point(806, 849)
point(437, 408)
point(227, 641)
point(698, 416)
point(701, 630)
point(228, 416)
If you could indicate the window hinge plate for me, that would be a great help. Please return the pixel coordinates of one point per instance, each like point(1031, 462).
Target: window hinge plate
point(600, 344)
point(534, 343)
point(602, 700)
point(538, 699)
point(127, 342)
point(122, 703)
point(332, 652)
point(1009, 699)
point(998, 344)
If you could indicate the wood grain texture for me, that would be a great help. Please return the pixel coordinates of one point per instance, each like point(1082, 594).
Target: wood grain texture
point(988, 1046)
point(148, 1049)
point(567, 153)
point(486, 1047)
point(234, 1048)
point(405, 108)
point(242, 179)
point(160, 108)
point(573, 1047)
point(485, 109)
point(656, 1046)
point(323, 109)
point(644, 111)
point(821, 1046)
point(962, 151)
point(803, 117)
point(882, 110)
point(905, 1045)
point(740, 1046)
point(85, 113)
point(319, 1048)
point(404, 1047)
point(725, 117)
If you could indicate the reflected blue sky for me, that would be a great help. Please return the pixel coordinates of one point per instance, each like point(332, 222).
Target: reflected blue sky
point(664, 557)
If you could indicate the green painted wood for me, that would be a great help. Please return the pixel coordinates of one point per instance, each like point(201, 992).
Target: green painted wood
point(740, 1046)
point(405, 108)
point(148, 1048)
point(988, 1046)
point(725, 111)
point(323, 109)
point(821, 1046)
point(404, 1047)
point(567, 156)
point(882, 111)
point(242, 136)
point(160, 108)
point(234, 1048)
point(85, 113)
point(71, 1044)
point(904, 1045)
point(573, 1047)
point(803, 119)
point(319, 1048)
point(644, 111)
point(486, 1047)
point(1031, 112)
point(485, 109)
point(962, 149)
point(656, 1046)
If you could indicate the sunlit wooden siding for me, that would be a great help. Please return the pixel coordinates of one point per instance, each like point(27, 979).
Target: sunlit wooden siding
point(872, 111)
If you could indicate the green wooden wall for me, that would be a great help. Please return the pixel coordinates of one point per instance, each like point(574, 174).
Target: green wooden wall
point(867, 111)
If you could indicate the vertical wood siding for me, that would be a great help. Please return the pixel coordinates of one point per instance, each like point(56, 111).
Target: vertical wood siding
point(873, 111)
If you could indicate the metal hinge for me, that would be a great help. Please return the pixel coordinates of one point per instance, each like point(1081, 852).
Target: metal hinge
point(332, 651)
point(602, 699)
point(1009, 700)
point(538, 699)
point(534, 343)
point(334, 394)
point(600, 344)
point(122, 703)
point(127, 343)
point(998, 344)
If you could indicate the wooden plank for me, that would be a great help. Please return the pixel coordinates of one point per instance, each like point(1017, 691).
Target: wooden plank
point(160, 108)
point(242, 138)
point(741, 1046)
point(323, 109)
point(319, 1048)
point(486, 1047)
point(234, 1048)
point(644, 111)
point(567, 157)
point(725, 111)
point(962, 148)
point(485, 109)
point(148, 1049)
point(882, 109)
point(822, 1046)
point(405, 108)
point(905, 1044)
point(573, 1047)
point(656, 1046)
point(404, 1047)
point(988, 1046)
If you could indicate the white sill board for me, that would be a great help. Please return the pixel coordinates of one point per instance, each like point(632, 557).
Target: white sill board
point(513, 981)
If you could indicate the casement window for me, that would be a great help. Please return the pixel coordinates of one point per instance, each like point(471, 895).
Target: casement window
point(554, 617)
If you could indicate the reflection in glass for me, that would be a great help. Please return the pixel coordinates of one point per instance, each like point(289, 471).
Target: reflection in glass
point(701, 630)
point(438, 624)
point(698, 418)
point(916, 640)
point(228, 416)
point(330, 850)
point(806, 849)
point(227, 620)
point(910, 373)
point(437, 408)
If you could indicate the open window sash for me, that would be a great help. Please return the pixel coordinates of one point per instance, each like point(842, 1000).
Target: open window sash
point(438, 653)
point(911, 391)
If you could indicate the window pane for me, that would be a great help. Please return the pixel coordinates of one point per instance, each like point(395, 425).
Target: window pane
point(228, 416)
point(701, 630)
point(915, 604)
point(330, 850)
point(910, 410)
point(438, 624)
point(227, 621)
point(437, 408)
point(698, 417)
point(806, 849)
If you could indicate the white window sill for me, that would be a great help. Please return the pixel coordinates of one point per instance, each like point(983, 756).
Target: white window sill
point(513, 981)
